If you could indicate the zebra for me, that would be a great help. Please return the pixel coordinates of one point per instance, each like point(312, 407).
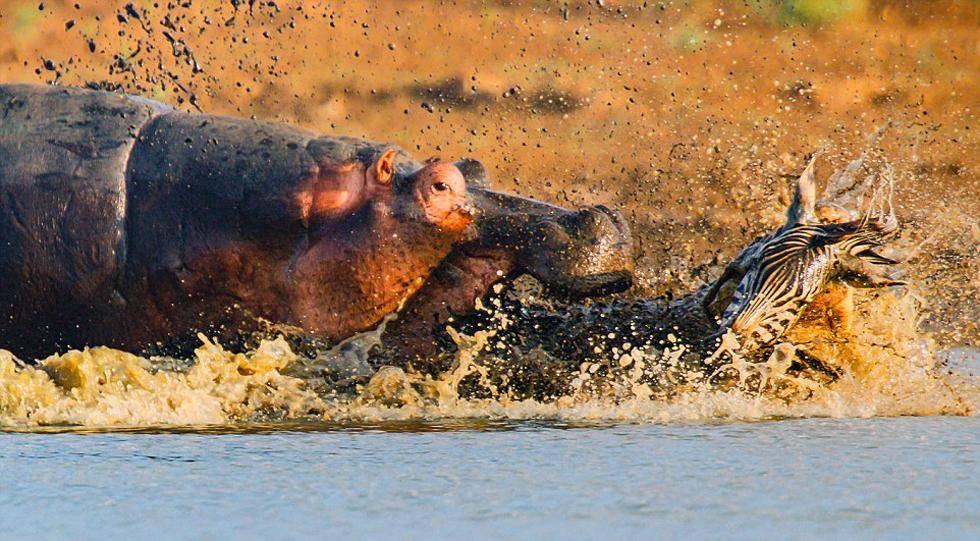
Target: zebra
point(780, 273)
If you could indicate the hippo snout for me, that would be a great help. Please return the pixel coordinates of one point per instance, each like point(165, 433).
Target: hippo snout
point(582, 252)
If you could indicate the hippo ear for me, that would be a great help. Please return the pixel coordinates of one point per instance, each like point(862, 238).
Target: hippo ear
point(474, 172)
point(383, 169)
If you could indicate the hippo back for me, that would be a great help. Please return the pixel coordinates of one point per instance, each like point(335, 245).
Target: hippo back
point(63, 155)
point(229, 175)
point(124, 221)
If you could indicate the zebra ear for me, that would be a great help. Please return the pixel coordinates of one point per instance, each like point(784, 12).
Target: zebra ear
point(844, 187)
point(801, 209)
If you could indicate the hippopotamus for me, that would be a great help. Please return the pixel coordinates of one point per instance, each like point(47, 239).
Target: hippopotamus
point(126, 222)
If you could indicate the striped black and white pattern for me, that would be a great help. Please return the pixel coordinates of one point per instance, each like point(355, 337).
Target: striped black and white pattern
point(788, 268)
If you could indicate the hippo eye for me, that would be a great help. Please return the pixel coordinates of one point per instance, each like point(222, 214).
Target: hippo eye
point(440, 187)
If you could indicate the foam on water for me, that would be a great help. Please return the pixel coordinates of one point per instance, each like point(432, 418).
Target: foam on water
point(107, 387)
point(887, 366)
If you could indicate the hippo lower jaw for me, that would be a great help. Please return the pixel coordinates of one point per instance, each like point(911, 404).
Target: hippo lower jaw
point(597, 285)
point(583, 253)
point(574, 254)
point(580, 252)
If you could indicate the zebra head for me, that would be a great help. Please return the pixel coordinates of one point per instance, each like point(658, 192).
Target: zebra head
point(783, 271)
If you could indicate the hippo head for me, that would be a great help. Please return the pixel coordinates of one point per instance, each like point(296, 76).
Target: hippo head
point(576, 253)
point(572, 252)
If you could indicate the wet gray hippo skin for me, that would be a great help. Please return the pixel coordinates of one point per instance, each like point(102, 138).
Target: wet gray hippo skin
point(124, 222)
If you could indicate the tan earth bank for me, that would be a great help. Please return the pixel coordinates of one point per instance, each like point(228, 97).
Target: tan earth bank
point(692, 118)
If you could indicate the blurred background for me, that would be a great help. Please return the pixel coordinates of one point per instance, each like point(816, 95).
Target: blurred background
point(693, 117)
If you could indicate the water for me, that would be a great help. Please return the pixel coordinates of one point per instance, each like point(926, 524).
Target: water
point(894, 478)
point(103, 444)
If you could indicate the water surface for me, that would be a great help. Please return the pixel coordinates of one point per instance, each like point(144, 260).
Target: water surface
point(798, 479)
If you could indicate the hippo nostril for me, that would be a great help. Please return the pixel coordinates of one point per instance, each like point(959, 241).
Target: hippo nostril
point(621, 224)
point(554, 234)
point(594, 219)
